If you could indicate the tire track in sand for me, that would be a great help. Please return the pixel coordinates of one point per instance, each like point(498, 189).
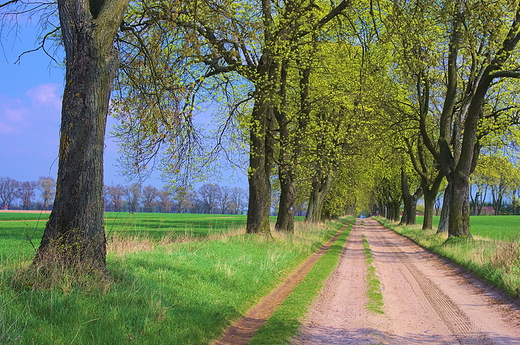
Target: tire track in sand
point(426, 301)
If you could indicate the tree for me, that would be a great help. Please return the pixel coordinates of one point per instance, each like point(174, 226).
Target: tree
point(165, 200)
point(47, 187)
point(209, 194)
point(26, 193)
point(185, 198)
point(237, 200)
point(8, 189)
point(409, 200)
point(74, 235)
point(220, 44)
point(225, 199)
point(133, 195)
point(465, 69)
point(149, 195)
point(500, 176)
point(115, 197)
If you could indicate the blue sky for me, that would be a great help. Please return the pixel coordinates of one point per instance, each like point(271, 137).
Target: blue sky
point(30, 106)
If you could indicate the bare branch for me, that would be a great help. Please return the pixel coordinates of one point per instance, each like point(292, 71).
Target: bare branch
point(8, 3)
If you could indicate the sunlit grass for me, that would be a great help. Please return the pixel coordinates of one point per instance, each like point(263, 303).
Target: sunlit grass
point(374, 296)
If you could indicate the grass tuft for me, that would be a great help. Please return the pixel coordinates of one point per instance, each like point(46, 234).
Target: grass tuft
point(375, 298)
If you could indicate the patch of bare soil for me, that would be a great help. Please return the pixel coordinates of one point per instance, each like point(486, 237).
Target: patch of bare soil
point(426, 300)
point(243, 329)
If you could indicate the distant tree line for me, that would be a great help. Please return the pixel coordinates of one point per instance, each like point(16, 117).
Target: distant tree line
point(22, 195)
point(209, 198)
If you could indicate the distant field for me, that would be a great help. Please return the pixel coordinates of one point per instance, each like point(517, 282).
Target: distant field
point(497, 227)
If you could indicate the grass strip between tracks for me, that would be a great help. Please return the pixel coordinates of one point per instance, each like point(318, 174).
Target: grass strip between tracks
point(374, 296)
point(286, 320)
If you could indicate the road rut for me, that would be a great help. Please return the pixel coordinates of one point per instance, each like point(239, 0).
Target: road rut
point(426, 299)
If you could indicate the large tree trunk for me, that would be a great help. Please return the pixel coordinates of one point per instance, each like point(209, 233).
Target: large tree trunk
point(260, 164)
point(429, 200)
point(320, 188)
point(445, 210)
point(409, 201)
point(285, 219)
point(459, 207)
point(287, 161)
point(75, 235)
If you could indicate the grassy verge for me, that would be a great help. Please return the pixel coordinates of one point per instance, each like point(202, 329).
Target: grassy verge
point(176, 293)
point(374, 296)
point(496, 260)
point(286, 320)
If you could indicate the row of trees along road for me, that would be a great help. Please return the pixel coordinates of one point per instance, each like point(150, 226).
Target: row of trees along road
point(346, 104)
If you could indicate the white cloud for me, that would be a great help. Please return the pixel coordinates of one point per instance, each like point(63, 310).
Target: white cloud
point(45, 95)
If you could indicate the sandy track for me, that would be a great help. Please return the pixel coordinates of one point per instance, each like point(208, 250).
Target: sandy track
point(427, 301)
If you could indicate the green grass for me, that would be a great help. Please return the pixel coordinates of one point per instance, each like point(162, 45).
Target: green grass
point(177, 293)
point(286, 320)
point(158, 225)
point(6, 216)
point(20, 233)
point(493, 254)
point(374, 296)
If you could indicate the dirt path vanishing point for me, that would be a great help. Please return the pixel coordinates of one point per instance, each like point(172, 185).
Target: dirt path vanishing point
point(426, 300)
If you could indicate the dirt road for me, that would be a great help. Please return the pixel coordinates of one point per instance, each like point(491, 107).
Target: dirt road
point(426, 301)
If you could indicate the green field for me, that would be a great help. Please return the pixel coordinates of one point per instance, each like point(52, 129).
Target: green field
point(21, 232)
point(496, 227)
point(166, 292)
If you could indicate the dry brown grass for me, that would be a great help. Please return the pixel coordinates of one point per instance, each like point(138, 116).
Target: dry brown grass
point(122, 245)
point(506, 255)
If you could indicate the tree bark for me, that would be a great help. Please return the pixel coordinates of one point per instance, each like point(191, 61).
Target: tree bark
point(445, 210)
point(459, 207)
point(287, 161)
point(261, 158)
point(74, 235)
point(429, 201)
point(285, 219)
point(409, 201)
point(320, 188)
